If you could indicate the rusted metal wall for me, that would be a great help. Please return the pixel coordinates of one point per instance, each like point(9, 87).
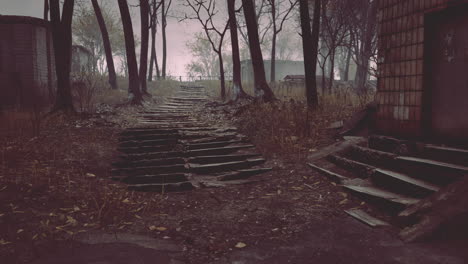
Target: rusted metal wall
point(404, 92)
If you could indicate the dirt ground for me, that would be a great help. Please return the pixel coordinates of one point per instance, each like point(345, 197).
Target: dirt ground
point(55, 188)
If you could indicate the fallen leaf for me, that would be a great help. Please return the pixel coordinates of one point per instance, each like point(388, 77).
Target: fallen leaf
point(240, 245)
point(19, 231)
point(126, 200)
point(3, 242)
point(90, 175)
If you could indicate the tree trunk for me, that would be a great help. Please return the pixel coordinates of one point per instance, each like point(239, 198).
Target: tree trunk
point(273, 58)
point(310, 49)
point(164, 38)
point(236, 65)
point(134, 82)
point(347, 63)
point(107, 45)
point(46, 10)
point(332, 71)
point(273, 44)
point(144, 16)
point(261, 86)
point(221, 75)
point(62, 36)
point(366, 51)
point(153, 51)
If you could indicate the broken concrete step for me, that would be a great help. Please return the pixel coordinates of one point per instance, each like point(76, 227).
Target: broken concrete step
point(146, 149)
point(221, 158)
point(242, 174)
point(446, 154)
point(160, 178)
point(153, 170)
point(217, 151)
point(207, 138)
point(362, 170)
point(149, 137)
point(215, 144)
point(146, 131)
point(332, 175)
point(374, 192)
point(371, 156)
point(225, 166)
point(152, 155)
point(151, 162)
point(403, 183)
point(366, 218)
point(437, 171)
point(150, 143)
point(170, 187)
point(161, 123)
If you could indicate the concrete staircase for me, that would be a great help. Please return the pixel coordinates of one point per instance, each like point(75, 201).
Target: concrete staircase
point(172, 150)
point(392, 174)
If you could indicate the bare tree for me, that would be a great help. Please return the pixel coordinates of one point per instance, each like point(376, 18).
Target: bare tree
point(144, 17)
point(280, 12)
point(165, 10)
point(236, 76)
point(153, 25)
point(364, 31)
point(261, 86)
point(310, 46)
point(264, 24)
point(107, 45)
point(205, 12)
point(134, 82)
point(62, 37)
point(334, 31)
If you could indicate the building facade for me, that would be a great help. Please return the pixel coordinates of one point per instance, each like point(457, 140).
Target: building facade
point(423, 69)
point(26, 64)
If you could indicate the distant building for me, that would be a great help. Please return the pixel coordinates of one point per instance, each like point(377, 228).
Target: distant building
point(422, 87)
point(26, 64)
point(282, 67)
point(82, 59)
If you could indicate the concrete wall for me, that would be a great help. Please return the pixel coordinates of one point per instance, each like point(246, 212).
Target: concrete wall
point(401, 64)
point(24, 74)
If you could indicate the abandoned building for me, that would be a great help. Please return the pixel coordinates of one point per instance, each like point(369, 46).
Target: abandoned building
point(283, 68)
point(26, 67)
point(423, 57)
point(82, 60)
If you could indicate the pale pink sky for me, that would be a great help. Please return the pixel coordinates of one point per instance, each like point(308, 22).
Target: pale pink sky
point(178, 33)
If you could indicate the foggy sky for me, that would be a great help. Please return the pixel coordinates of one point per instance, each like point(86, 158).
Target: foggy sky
point(178, 33)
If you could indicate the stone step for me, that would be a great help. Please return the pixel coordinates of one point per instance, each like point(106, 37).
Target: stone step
point(403, 183)
point(215, 144)
point(360, 169)
point(375, 192)
point(148, 143)
point(242, 174)
point(170, 187)
point(221, 158)
point(150, 137)
point(217, 151)
point(336, 177)
point(225, 166)
point(146, 149)
point(436, 172)
point(151, 162)
point(446, 154)
point(152, 155)
point(366, 218)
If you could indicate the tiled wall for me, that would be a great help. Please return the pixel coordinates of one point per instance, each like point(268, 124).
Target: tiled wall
point(23, 63)
point(401, 61)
